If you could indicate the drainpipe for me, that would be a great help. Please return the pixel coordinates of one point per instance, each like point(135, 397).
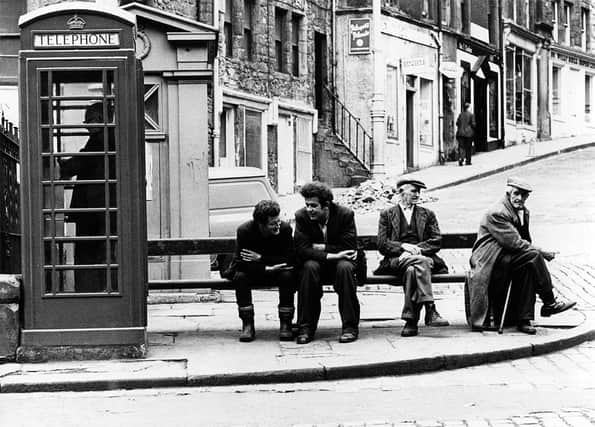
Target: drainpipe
point(438, 41)
point(378, 107)
point(501, 36)
point(333, 47)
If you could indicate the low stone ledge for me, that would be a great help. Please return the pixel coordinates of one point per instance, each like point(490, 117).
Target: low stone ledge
point(35, 354)
point(9, 331)
point(10, 288)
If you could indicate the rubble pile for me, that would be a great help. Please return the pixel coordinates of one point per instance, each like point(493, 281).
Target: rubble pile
point(374, 195)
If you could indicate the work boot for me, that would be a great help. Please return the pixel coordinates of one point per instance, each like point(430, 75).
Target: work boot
point(247, 316)
point(285, 318)
point(410, 328)
point(556, 307)
point(525, 327)
point(433, 318)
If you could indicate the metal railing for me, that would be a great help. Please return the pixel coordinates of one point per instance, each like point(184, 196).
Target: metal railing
point(350, 131)
point(10, 237)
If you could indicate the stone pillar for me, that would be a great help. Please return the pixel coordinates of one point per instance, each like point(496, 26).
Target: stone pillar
point(10, 292)
point(543, 111)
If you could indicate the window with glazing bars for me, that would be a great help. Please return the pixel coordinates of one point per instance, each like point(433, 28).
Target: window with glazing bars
point(79, 181)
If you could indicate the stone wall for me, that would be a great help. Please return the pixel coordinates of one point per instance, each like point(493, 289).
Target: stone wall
point(10, 294)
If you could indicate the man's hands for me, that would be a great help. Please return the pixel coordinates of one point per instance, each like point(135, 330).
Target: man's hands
point(410, 248)
point(318, 246)
point(278, 267)
point(548, 255)
point(250, 256)
point(349, 255)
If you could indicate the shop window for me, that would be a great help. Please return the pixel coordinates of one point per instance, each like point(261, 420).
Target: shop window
point(425, 112)
point(296, 26)
point(391, 103)
point(518, 85)
point(248, 28)
point(493, 106)
point(227, 28)
point(428, 10)
point(253, 139)
point(556, 72)
point(465, 16)
point(280, 35)
point(465, 84)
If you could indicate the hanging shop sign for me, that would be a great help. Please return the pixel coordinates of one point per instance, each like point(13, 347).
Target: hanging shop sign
point(451, 69)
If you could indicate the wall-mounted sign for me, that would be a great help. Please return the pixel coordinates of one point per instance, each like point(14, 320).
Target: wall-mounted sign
point(417, 66)
point(451, 69)
point(359, 35)
point(75, 39)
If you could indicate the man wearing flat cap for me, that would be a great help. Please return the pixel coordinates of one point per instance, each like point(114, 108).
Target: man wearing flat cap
point(409, 238)
point(503, 254)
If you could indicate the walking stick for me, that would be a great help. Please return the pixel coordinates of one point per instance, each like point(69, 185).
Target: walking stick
point(505, 308)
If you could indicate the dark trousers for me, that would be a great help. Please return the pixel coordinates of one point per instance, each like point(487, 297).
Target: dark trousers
point(313, 275)
point(465, 149)
point(285, 281)
point(416, 276)
point(529, 276)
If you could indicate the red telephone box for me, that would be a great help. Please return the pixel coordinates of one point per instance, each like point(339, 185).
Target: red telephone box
point(83, 180)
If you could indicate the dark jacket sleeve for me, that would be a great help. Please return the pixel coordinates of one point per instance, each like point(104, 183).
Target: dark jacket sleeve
point(432, 238)
point(347, 238)
point(243, 241)
point(285, 246)
point(386, 246)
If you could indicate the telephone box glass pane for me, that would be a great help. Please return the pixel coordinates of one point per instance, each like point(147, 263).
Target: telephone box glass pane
point(79, 177)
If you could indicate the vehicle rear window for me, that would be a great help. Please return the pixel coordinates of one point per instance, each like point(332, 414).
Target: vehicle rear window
point(226, 195)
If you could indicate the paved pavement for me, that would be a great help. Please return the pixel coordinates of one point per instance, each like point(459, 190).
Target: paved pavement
point(566, 417)
point(196, 343)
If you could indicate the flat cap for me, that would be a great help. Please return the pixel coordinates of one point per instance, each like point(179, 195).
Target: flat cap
point(519, 183)
point(415, 182)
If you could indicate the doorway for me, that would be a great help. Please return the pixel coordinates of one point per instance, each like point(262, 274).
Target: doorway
point(410, 129)
point(320, 69)
point(480, 111)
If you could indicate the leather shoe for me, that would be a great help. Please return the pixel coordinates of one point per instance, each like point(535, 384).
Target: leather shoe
point(409, 330)
point(348, 336)
point(556, 307)
point(433, 318)
point(526, 328)
point(304, 338)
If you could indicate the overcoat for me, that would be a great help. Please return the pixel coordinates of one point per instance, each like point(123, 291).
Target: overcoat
point(497, 232)
point(466, 124)
point(428, 233)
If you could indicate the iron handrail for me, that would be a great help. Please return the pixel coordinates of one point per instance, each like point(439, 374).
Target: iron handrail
point(350, 131)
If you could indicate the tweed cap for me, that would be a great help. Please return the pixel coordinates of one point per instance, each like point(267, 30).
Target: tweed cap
point(519, 183)
point(415, 182)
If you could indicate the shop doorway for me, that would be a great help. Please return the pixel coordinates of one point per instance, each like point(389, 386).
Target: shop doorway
point(410, 131)
point(480, 112)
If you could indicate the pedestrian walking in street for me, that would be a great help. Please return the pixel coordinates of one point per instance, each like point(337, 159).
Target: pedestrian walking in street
point(504, 254)
point(409, 238)
point(326, 241)
point(465, 134)
point(264, 255)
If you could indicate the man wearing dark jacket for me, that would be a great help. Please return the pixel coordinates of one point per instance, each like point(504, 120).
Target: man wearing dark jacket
point(503, 253)
point(264, 255)
point(326, 241)
point(465, 134)
point(409, 238)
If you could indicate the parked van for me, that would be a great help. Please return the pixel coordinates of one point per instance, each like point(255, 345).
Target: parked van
point(233, 192)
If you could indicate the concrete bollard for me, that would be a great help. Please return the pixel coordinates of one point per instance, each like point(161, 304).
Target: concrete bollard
point(10, 293)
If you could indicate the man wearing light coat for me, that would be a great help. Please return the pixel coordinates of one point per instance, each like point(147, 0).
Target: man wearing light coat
point(504, 253)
